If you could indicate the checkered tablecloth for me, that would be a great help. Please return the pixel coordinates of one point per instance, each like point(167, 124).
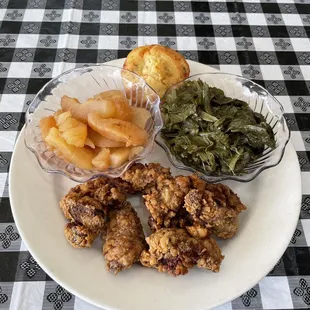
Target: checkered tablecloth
point(267, 41)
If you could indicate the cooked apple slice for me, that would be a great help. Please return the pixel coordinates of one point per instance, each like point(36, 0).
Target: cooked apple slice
point(102, 141)
point(118, 130)
point(90, 143)
point(102, 160)
point(46, 123)
point(68, 123)
point(119, 156)
point(135, 151)
point(57, 113)
point(74, 131)
point(76, 136)
point(80, 111)
point(79, 156)
point(123, 110)
point(140, 116)
point(62, 117)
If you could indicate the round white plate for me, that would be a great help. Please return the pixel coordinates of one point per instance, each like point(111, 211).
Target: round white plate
point(273, 200)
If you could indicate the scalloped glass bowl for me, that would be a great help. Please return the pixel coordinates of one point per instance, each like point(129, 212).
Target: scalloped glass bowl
point(260, 100)
point(83, 83)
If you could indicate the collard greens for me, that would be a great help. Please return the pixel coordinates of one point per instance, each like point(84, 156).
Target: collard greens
point(209, 131)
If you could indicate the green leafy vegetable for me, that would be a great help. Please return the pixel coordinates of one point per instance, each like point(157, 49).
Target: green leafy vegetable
point(211, 132)
point(207, 117)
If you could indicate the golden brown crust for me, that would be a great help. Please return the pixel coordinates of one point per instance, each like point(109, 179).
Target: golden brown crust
point(85, 210)
point(184, 220)
point(223, 195)
point(208, 209)
point(197, 231)
point(160, 66)
point(79, 236)
point(174, 251)
point(126, 187)
point(87, 203)
point(124, 239)
point(184, 211)
point(141, 177)
point(217, 209)
point(164, 199)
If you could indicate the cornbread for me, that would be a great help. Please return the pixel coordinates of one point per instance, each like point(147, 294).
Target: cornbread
point(159, 66)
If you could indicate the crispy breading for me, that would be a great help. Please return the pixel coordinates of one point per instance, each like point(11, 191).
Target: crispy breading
point(223, 195)
point(184, 212)
point(164, 199)
point(87, 203)
point(124, 239)
point(85, 210)
point(184, 220)
point(197, 183)
point(125, 186)
point(217, 209)
point(79, 236)
point(141, 177)
point(197, 230)
point(174, 251)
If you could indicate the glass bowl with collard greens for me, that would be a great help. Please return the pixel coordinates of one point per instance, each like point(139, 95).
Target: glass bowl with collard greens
point(222, 127)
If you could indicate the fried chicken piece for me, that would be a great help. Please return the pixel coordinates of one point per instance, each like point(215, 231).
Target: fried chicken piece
point(197, 183)
point(102, 189)
point(184, 220)
point(124, 239)
point(142, 176)
point(79, 236)
point(124, 186)
point(223, 195)
point(174, 251)
point(85, 210)
point(87, 203)
point(217, 209)
point(197, 230)
point(164, 199)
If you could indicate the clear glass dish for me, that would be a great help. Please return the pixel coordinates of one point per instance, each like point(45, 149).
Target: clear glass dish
point(83, 83)
point(260, 101)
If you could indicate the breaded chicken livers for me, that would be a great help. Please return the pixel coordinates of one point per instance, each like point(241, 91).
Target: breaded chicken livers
point(124, 238)
point(164, 199)
point(217, 209)
point(79, 236)
point(87, 203)
point(142, 177)
point(174, 251)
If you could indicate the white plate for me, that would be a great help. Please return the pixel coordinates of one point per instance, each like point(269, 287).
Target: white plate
point(273, 200)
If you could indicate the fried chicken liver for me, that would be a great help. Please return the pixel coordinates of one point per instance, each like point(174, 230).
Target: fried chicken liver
point(124, 239)
point(164, 199)
point(216, 207)
point(174, 251)
point(79, 236)
point(141, 177)
point(87, 203)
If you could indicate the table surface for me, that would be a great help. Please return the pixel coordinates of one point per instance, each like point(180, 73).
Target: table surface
point(266, 41)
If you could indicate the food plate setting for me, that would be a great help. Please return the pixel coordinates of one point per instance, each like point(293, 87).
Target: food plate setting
point(164, 183)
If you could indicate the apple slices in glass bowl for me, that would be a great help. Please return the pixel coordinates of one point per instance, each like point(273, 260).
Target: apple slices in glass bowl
point(92, 121)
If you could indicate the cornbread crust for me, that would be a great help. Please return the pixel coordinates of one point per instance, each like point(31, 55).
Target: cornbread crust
point(160, 66)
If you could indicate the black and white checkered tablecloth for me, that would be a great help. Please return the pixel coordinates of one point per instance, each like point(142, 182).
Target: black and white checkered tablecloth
point(267, 41)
